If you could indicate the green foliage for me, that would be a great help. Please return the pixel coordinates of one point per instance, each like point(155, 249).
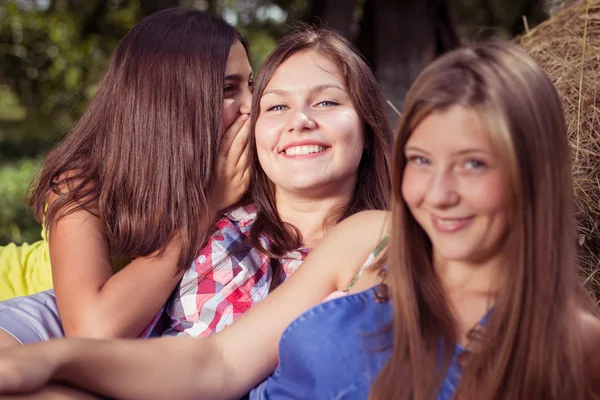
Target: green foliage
point(17, 223)
point(53, 53)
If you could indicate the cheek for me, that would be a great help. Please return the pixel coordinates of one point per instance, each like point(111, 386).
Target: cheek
point(413, 187)
point(231, 110)
point(490, 196)
point(355, 150)
point(264, 137)
point(347, 129)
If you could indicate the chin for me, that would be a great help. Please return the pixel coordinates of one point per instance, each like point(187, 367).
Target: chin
point(297, 186)
point(456, 254)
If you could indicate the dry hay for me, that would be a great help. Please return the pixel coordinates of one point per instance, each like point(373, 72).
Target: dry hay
point(567, 46)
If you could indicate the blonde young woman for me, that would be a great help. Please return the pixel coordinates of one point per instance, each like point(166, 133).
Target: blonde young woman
point(480, 298)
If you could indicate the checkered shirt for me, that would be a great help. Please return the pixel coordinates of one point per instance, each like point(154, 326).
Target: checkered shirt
point(226, 279)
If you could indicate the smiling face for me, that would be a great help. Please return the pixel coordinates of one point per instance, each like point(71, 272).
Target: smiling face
point(309, 136)
point(455, 186)
point(237, 86)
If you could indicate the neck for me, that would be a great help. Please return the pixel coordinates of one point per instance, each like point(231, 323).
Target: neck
point(467, 276)
point(309, 213)
point(470, 288)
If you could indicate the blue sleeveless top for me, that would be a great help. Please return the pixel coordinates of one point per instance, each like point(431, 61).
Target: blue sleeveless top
point(335, 351)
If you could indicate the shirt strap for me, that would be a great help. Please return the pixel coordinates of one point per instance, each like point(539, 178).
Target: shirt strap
point(372, 257)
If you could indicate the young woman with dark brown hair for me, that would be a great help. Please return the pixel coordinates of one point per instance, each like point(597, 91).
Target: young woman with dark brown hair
point(319, 154)
point(140, 180)
point(480, 298)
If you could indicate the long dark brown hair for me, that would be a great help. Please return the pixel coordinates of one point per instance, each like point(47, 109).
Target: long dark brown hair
point(141, 157)
point(372, 188)
point(531, 346)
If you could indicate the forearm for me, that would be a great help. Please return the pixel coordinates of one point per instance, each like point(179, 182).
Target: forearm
point(178, 368)
point(126, 303)
point(54, 392)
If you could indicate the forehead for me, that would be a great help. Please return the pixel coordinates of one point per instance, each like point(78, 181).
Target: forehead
point(452, 130)
point(306, 69)
point(237, 61)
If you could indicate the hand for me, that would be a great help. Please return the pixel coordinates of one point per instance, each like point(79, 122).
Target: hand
point(26, 368)
point(232, 165)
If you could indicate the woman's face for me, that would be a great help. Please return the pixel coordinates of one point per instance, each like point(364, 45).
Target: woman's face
point(237, 86)
point(309, 137)
point(455, 186)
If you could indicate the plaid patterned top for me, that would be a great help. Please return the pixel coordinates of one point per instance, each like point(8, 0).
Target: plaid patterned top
point(226, 279)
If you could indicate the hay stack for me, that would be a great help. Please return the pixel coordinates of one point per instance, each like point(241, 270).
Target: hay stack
point(567, 46)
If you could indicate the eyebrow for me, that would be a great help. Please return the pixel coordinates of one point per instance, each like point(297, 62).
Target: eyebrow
point(460, 153)
point(313, 90)
point(236, 77)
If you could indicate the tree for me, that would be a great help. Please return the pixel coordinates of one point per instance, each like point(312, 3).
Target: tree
point(397, 37)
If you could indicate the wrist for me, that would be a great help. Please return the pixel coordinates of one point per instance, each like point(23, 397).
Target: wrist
point(61, 354)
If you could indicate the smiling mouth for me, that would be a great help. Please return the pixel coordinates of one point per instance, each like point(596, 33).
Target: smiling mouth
point(449, 225)
point(304, 150)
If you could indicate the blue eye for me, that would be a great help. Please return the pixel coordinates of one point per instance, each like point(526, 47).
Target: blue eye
point(475, 164)
point(418, 160)
point(278, 107)
point(327, 103)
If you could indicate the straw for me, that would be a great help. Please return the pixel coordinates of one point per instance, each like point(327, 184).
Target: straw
point(567, 46)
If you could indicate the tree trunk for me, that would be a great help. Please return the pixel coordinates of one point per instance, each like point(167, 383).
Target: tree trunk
point(148, 7)
point(334, 14)
point(407, 36)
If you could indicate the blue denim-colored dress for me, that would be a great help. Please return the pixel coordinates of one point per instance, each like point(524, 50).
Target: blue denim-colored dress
point(335, 351)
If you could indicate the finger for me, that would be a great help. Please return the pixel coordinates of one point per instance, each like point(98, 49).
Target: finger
point(243, 160)
point(246, 179)
point(240, 142)
point(231, 133)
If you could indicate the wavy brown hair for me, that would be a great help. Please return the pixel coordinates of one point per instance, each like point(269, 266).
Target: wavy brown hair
point(372, 188)
point(530, 347)
point(141, 156)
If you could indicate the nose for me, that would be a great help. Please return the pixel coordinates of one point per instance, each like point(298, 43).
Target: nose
point(246, 100)
point(301, 121)
point(442, 191)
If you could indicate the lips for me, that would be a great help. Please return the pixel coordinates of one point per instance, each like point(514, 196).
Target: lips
point(450, 225)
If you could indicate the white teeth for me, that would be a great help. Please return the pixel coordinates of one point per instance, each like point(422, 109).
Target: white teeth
point(302, 150)
point(447, 222)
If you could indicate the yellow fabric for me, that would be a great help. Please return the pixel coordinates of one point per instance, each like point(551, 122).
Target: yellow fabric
point(26, 269)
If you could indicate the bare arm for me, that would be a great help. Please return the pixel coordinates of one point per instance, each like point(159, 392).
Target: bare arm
point(92, 301)
point(54, 392)
point(223, 366)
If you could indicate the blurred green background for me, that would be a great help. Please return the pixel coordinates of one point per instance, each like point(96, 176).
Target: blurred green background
point(52, 53)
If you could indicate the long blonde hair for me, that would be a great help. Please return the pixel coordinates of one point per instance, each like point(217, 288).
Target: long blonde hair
point(531, 345)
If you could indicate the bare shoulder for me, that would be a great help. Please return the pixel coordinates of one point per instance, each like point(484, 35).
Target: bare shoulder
point(364, 230)
point(71, 181)
point(590, 331)
point(365, 222)
point(346, 247)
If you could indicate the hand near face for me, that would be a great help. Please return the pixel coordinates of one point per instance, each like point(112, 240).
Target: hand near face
point(232, 173)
